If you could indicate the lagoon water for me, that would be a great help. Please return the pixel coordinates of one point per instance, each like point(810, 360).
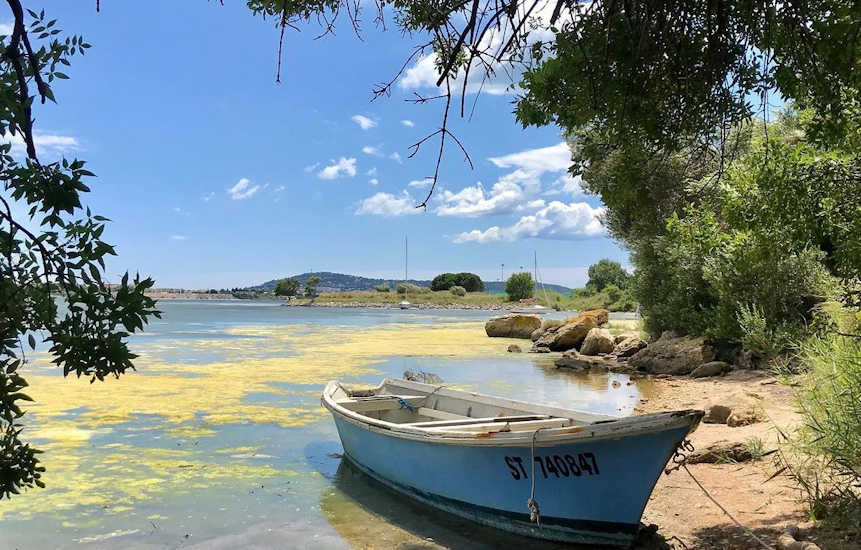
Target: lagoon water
point(219, 439)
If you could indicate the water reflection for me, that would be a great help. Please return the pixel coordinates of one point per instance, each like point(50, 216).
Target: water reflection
point(367, 514)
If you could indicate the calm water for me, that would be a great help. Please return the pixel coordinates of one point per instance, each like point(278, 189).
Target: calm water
point(219, 440)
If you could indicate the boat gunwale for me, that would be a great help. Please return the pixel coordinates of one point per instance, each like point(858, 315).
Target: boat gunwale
point(603, 427)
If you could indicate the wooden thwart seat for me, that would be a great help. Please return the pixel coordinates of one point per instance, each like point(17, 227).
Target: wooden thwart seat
point(463, 420)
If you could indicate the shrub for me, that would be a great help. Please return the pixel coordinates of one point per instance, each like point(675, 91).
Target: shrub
point(519, 286)
point(382, 287)
point(458, 291)
point(403, 288)
point(824, 454)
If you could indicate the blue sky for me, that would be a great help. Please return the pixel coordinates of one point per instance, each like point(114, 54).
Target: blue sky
point(216, 176)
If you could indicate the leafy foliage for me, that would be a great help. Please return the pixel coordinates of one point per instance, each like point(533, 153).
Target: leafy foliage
point(607, 272)
point(458, 291)
point(470, 281)
point(52, 258)
point(287, 287)
point(383, 287)
point(520, 286)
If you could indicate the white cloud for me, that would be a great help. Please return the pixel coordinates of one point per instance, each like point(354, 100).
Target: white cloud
point(372, 172)
point(44, 142)
point(388, 205)
point(178, 238)
point(6, 29)
point(424, 72)
point(243, 189)
point(509, 194)
point(396, 157)
point(311, 167)
point(557, 220)
point(365, 123)
point(344, 167)
point(408, 123)
point(180, 211)
point(421, 183)
point(555, 158)
point(371, 150)
point(279, 189)
point(374, 181)
point(208, 197)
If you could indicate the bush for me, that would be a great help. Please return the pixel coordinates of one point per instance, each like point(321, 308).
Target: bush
point(824, 454)
point(520, 286)
point(458, 291)
point(761, 337)
point(382, 287)
point(403, 288)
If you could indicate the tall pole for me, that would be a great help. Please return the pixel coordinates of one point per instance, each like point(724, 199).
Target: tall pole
point(536, 264)
point(406, 258)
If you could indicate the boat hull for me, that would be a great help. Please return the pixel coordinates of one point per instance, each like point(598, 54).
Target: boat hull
point(590, 491)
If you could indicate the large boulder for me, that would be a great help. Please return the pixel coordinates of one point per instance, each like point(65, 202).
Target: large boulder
point(597, 341)
point(601, 316)
point(673, 354)
point(568, 336)
point(512, 326)
point(628, 346)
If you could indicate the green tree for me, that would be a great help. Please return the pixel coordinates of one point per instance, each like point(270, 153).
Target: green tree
point(52, 256)
point(311, 286)
point(287, 287)
point(607, 272)
point(519, 286)
point(443, 281)
point(470, 281)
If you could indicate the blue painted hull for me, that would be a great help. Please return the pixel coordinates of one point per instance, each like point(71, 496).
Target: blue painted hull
point(589, 491)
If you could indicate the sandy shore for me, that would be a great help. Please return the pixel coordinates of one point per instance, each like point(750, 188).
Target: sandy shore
point(685, 517)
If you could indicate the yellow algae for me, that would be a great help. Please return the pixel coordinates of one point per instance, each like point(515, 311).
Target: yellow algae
point(217, 394)
point(191, 399)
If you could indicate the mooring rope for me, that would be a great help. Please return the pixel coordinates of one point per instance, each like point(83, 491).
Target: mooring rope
point(532, 504)
point(680, 459)
point(724, 510)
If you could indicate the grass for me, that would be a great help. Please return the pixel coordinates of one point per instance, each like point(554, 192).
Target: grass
point(824, 454)
point(581, 300)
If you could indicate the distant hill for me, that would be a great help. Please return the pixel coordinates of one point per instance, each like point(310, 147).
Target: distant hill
point(340, 282)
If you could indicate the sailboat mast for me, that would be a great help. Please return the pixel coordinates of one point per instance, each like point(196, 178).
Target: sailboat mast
point(535, 268)
point(406, 258)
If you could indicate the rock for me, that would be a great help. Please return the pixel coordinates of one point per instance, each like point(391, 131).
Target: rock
point(576, 361)
point(673, 354)
point(570, 335)
point(539, 349)
point(514, 348)
point(512, 326)
point(717, 414)
point(598, 340)
point(619, 338)
point(601, 316)
point(536, 334)
point(721, 451)
point(629, 346)
point(712, 368)
point(789, 540)
point(743, 417)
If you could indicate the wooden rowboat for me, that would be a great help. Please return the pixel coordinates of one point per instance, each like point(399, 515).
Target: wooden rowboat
point(588, 476)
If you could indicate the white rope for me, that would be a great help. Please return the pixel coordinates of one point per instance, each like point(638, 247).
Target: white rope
point(532, 504)
point(722, 509)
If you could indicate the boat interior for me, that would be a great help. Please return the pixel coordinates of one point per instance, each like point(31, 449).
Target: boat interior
point(440, 409)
